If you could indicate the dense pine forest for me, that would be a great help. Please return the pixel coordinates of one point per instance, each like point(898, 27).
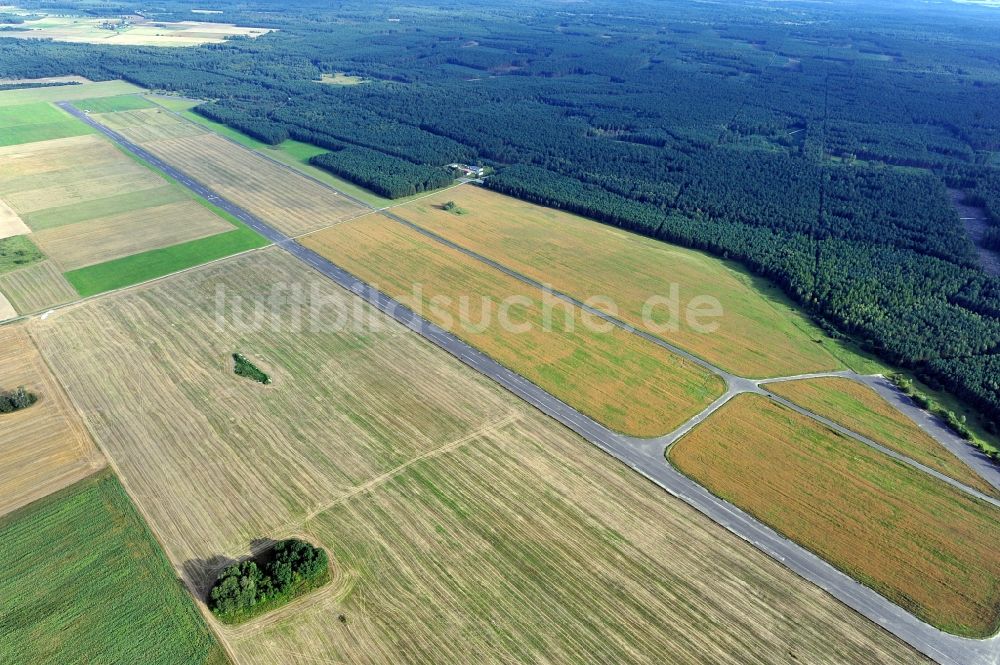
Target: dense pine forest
point(811, 142)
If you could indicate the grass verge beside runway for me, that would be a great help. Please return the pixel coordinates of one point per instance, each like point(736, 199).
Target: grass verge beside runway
point(916, 540)
point(621, 380)
point(84, 580)
point(862, 410)
point(760, 333)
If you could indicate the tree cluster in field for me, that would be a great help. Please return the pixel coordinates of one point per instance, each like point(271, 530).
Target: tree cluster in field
point(242, 366)
point(383, 174)
point(17, 399)
point(244, 590)
point(815, 165)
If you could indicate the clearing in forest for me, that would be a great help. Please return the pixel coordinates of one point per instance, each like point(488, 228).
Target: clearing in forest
point(760, 334)
point(862, 410)
point(45, 447)
point(920, 542)
point(621, 380)
point(287, 200)
point(455, 515)
point(85, 580)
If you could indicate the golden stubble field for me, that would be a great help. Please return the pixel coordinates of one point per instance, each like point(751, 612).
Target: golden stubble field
point(285, 199)
point(216, 460)
point(759, 335)
point(44, 447)
point(863, 410)
point(921, 543)
point(625, 382)
point(463, 524)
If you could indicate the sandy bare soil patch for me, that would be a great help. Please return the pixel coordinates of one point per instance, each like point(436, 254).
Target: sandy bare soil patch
point(7, 310)
point(44, 447)
point(10, 223)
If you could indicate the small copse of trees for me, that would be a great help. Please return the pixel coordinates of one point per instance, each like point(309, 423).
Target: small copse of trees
point(243, 367)
point(276, 577)
point(15, 400)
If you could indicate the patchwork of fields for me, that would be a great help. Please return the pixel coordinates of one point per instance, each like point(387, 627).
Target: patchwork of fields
point(463, 524)
point(760, 334)
point(920, 542)
point(84, 581)
point(288, 201)
point(139, 33)
point(627, 383)
point(101, 219)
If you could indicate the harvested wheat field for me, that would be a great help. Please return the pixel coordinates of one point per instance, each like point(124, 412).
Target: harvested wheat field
point(862, 410)
point(621, 380)
point(218, 461)
point(575, 560)
point(108, 238)
point(918, 541)
point(44, 447)
point(47, 174)
point(280, 196)
point(36, 288)
point(760, 334)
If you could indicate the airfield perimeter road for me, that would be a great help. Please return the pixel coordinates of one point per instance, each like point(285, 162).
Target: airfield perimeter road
point(647, 460)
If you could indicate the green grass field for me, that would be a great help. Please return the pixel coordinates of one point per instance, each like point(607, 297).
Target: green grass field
point(28, 123)
point(112, 104)
point(145, 266)
point(84, 581)
point(18, 252)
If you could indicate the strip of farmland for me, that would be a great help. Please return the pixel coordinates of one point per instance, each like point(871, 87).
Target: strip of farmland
point(759, 335)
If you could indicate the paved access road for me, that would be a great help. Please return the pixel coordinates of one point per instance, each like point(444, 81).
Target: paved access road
point(644, 456)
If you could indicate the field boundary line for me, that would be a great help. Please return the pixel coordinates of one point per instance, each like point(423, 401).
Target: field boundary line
point(150, 524)
point(380, 479)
